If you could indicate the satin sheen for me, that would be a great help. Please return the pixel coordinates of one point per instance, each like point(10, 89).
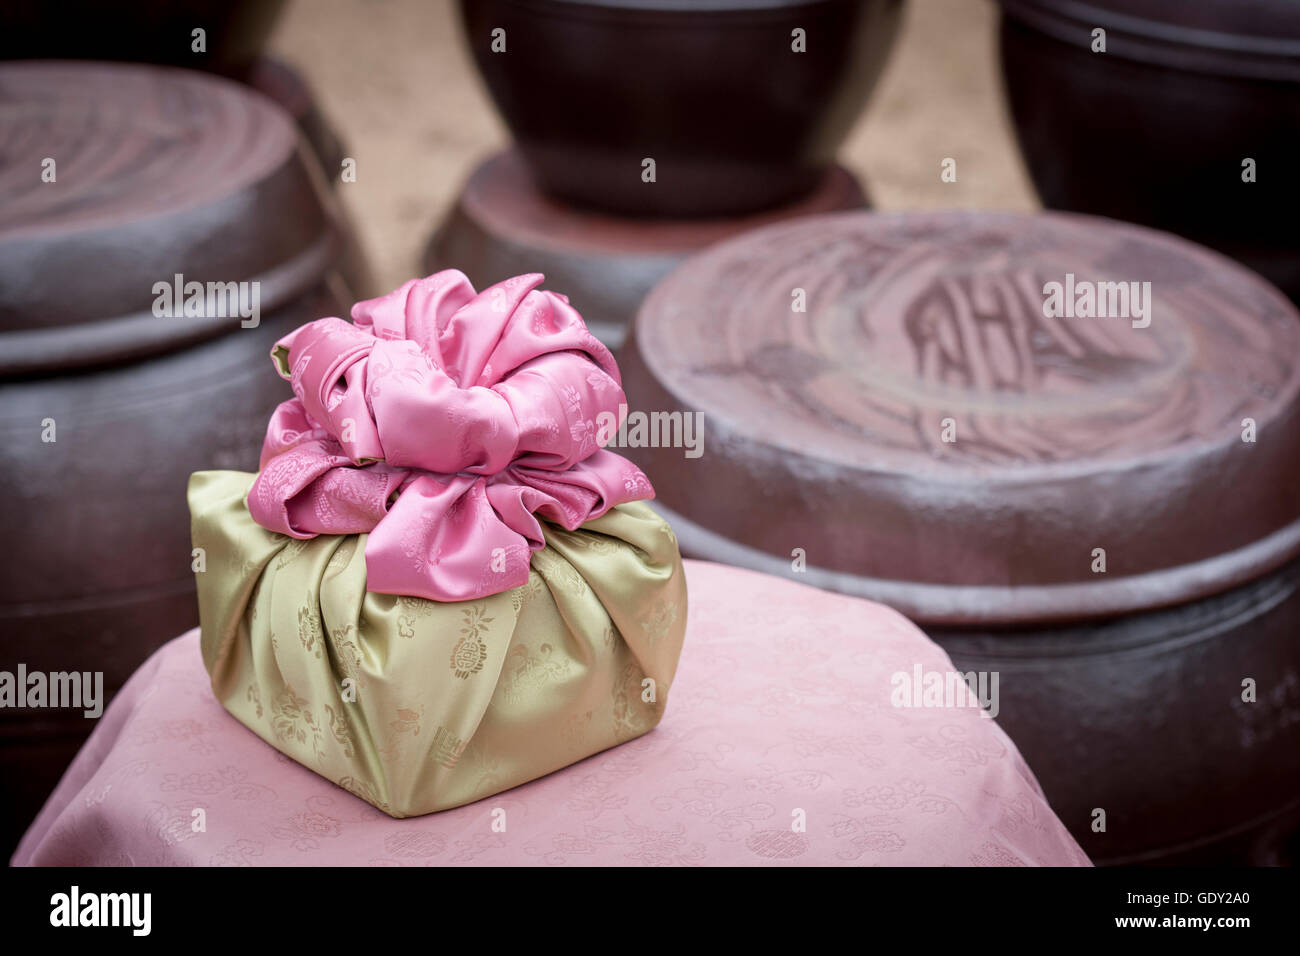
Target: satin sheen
point(444, 423)
point(416, 705)
point(783, 703)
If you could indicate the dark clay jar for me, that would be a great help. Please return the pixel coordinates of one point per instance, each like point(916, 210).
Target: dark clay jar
point(1156, 129)
point(146, 31)
point(1150, 703)
point(734, 119)
point(1101, 509)
point(106, 407)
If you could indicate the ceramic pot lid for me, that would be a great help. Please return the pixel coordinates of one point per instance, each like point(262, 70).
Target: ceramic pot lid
point(157, 171)
point(827, 430)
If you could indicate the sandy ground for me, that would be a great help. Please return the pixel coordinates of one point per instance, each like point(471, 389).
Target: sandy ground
point(397, 82)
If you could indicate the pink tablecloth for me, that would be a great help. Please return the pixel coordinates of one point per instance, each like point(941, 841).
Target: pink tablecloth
point(781, 711)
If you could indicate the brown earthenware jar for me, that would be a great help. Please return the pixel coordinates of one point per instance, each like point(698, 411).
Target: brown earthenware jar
point(1102, 509)
point(717, 93)
point(106, 407)
point(144, 31)
point(1187, 103)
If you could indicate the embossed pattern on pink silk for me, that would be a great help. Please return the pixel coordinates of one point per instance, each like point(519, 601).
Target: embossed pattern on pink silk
point(781, 703)
point(443, 421)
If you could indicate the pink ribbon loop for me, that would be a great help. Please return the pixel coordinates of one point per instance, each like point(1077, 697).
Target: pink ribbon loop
point(442, 422)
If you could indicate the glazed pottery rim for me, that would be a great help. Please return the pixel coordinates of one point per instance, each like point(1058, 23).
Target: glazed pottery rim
point(961, 473)
point(1191, 49)
point(125, 338)
point(973, 606)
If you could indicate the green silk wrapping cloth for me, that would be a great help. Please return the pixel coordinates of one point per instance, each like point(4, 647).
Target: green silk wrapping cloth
point(417, 705)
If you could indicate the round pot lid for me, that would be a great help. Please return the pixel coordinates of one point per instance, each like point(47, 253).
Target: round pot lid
point(115, 178)
point(938, 429)
point(1252, 38)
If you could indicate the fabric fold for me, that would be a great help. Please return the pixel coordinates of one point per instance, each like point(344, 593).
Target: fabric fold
point(442, 421)
point(415, 705)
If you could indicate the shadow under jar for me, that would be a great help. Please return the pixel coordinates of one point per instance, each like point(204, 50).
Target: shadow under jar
point(1100, 509)
point(734, 118)
point(1156, 129)
point(110, 394)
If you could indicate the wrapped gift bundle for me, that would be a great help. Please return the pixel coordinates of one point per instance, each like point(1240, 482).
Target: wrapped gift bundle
point(440, 585)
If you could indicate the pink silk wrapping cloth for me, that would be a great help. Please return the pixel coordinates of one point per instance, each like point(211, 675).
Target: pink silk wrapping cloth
point(463, 538)
point(783, 704)
point(443, 422)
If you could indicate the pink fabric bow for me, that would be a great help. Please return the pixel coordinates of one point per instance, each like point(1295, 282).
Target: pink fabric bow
point(443, 422)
